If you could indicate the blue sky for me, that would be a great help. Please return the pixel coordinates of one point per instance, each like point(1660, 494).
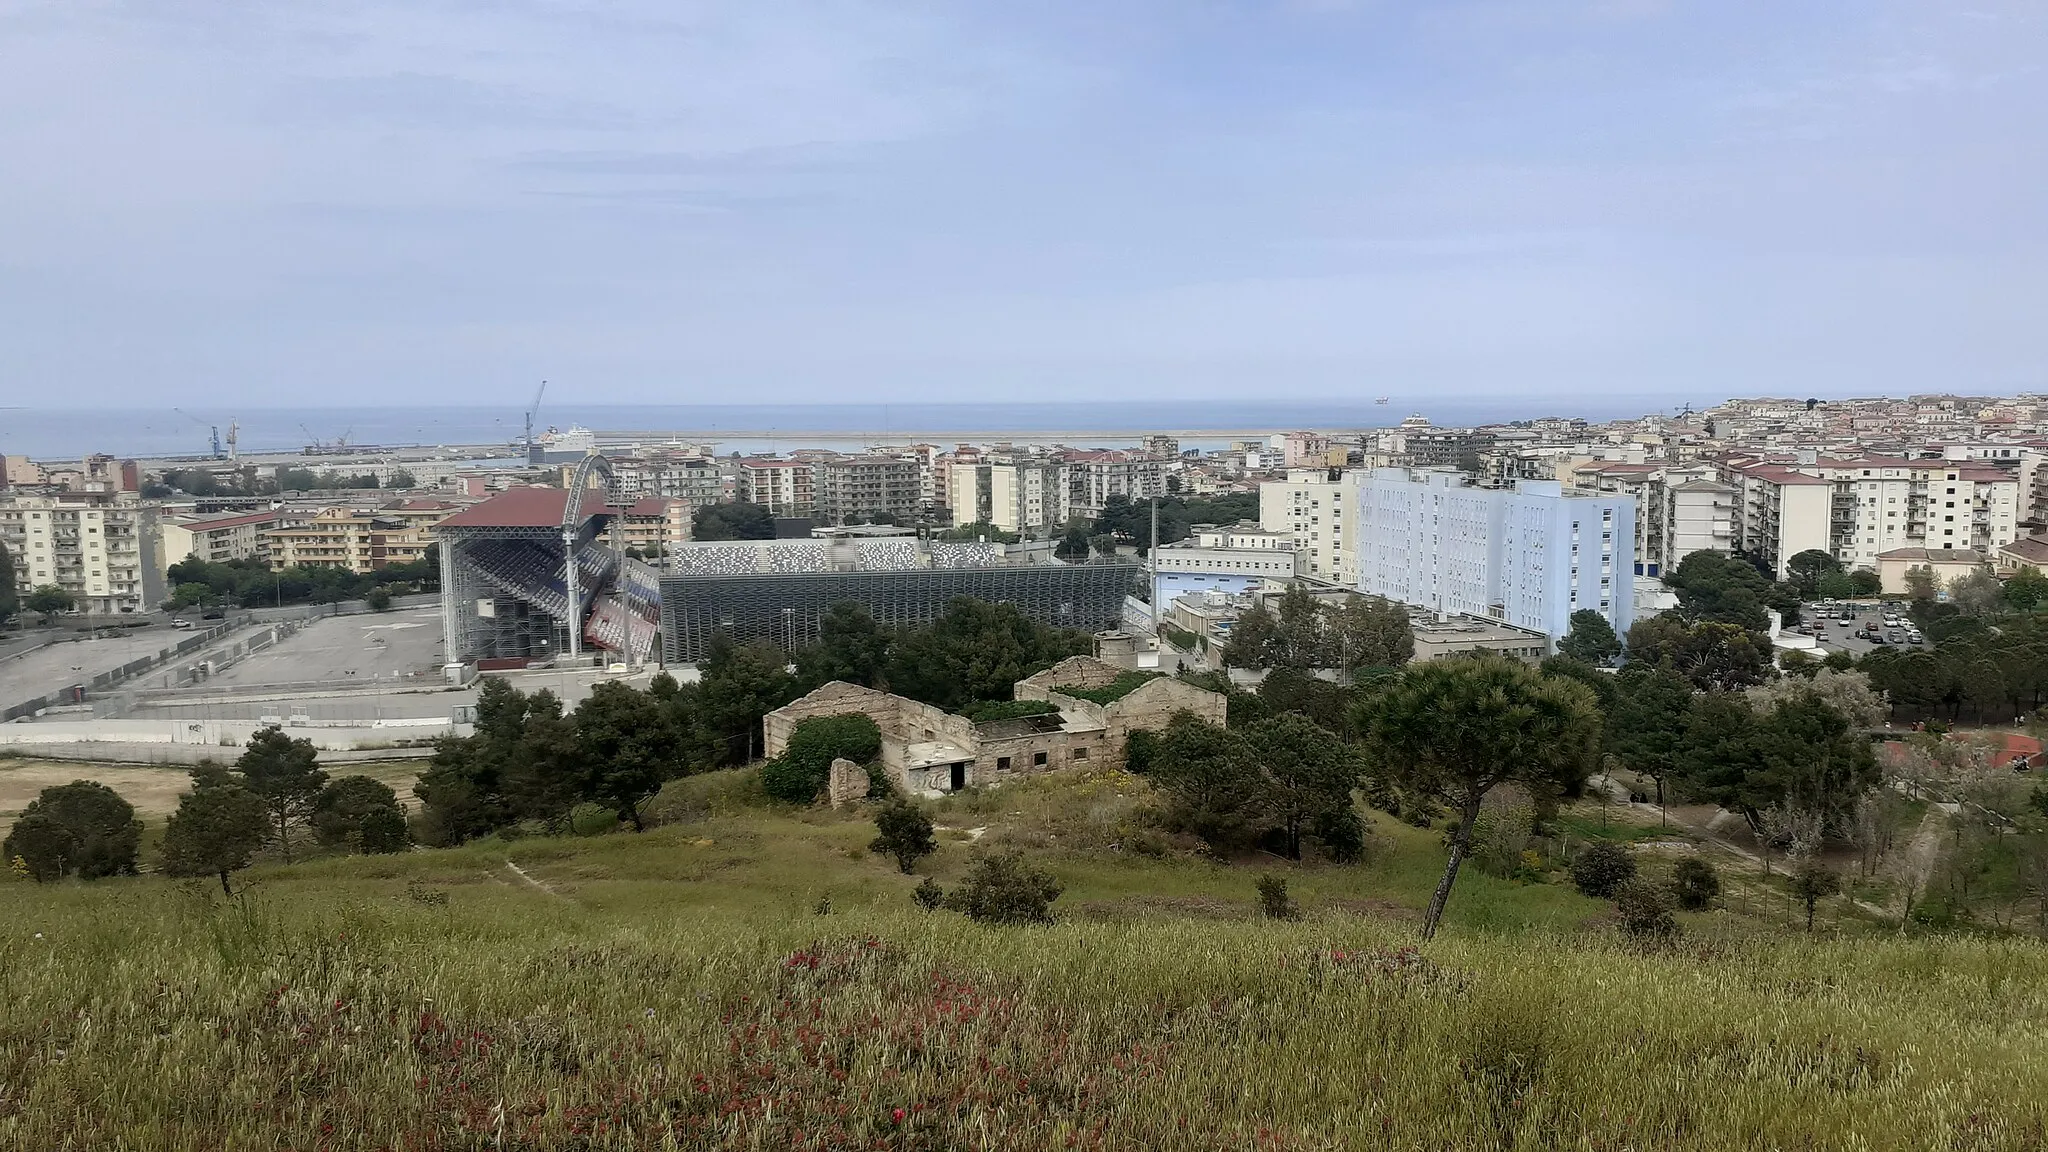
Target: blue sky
point(414, 201)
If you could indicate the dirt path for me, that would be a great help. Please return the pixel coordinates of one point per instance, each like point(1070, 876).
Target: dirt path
point(540, 884)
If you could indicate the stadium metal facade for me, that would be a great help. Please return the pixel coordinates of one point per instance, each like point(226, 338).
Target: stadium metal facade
point(784, 608)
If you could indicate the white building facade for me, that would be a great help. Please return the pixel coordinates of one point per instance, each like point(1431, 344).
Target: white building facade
point(1320, 513)
point(1528, 556)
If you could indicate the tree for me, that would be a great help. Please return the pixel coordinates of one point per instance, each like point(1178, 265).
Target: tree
point(378, 600)
point(1208, 779)
point(1714, 587)
point(361, 813)
point(1600, 869)
point(10, 599)
point(736, 521)
point(82, 828)
point(1646, 725)
point(1811, 760)
point(805, 765)
point(979, 530)
point(627, 748)
point(1074, 545)
point(216, 830)
point(547, 771)
point(850, 647)
point(1453, 730)
point(1835, 586)
point(1920, 582)
point(48, 599)
point(1694, 883)
point(2024, 590)
point(976, 651)
point(1864, 582)
point(1591, 639)
point(1805, 570)
point(1977, 592)
point(1299, 640)
point(1304, 778)
point(460, 792)
point(1847, 692)
point(1252, 639)
point(903, 832)
point(284, 773)
point(401, 478)
point(1645, 912)
point(1006, 890)
point(1812, 882)
point(1714, 656)
point(1371, 632)
point(741, 684)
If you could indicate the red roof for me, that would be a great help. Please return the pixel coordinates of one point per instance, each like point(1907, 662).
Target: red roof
point(523, 508)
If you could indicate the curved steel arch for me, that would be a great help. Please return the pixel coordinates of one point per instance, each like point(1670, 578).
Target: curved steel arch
point(572, 519)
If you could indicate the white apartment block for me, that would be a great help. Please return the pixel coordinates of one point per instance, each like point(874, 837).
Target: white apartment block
point(1528, 556)
point(1699, 516)
point(1651, 486)
point(102, 547)
point(1095, 476)
point(1028, 497)
point(215, 539)
point(1320, 514)
point(783, 487)
point(1857, 509)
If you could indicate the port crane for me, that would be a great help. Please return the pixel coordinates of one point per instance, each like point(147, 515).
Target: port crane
point(531, 411)
point(234, 433)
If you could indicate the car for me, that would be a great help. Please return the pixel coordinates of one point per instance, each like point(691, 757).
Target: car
point(1847, 617)
point(180, 623)
point(1875, 638)
point(215, 614)
point(1914, 638)
point(1895, 637)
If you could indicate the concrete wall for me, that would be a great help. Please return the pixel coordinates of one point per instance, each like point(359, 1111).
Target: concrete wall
point(831, 699)
point(226, 735)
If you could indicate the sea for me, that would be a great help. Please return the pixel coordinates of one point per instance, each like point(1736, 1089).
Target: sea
point(57, 434)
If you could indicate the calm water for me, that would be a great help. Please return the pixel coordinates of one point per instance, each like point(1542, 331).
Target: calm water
point(57, 434)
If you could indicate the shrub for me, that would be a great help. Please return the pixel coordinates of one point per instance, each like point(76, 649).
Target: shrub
point(806, 764)
point(1645, 912)
point(989, 711)
point(688, 799)
point(1006, 890)
point(905, 833)
point(929, 895)
point(1694, 884)
point(1124, 684)
point(1274, 902)
point(81, 828)
point(379, 600)
point(1141, 748)
point(1601, 869)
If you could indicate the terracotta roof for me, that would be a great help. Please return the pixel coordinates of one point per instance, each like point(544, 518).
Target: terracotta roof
point(1778, 475)
point(2033, 549)
point(652, 506)
point(523, 508)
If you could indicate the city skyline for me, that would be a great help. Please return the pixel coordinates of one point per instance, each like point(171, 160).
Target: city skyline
point(1312, 198)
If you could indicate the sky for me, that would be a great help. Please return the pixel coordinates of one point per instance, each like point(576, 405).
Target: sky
point(701, 201)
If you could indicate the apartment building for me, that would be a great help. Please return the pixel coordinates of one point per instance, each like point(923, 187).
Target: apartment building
point(1699, 516)
point(1095, 476)
point(216, 539)
point(783, 487)
point(1318, 510)
point(1780, 512)
point(1858, 508)
point(654, 524)
point(694, 480)
point(1528, 556)
point(103, 547)
point(851, 488)
point(1029, 497)
point(355, 540)
point(1651, 486)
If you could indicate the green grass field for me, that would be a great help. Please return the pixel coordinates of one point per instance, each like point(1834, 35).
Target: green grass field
point(683, 989)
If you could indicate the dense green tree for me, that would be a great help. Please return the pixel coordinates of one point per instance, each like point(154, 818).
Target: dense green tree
point(461, 792)
point(978, 530)
point(1977, 592)
point(1074, 545)
point(1694, 883)
point(739, 520)
point(1833, 586)
point(1714, 656)
point(1326, 703)
point(977, 651)
point(2025, 590)
point(283, 772)
point(740, 685)
point(801, 772)
point(1811, 759)
point(1714, 587)
point(1591, 639)
point(1864, 582)
point(1812, 882)
point(1646, 728)
point(1921, 582)
point(1805, 570)
point(903, 833)
point(1370, 632)
point(48, 600)
point(1005, 890)
point(361, 813)
point(547, 768)
point(10, 598)
point(401, 479)
point(1303, 779)
point(1601, 868)
point(1253, 639)
point(81, 828)
point(1208, 778)
point(378, 600)
point(628, 750)
point(850, 647)
point(216, 830)
point(1453, 730)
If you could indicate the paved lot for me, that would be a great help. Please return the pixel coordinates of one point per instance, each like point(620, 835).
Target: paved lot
point(349, 651)
point(78, 661)
point(1836, 638)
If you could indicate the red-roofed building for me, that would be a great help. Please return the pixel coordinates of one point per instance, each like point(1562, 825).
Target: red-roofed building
point(523, 508)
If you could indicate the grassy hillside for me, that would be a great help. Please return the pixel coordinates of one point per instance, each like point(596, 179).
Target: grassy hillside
point(752, 979)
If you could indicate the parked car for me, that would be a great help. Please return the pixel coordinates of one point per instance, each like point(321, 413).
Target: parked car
point(1895, 637)
point(180, 623)
point(213, 614)
point(1914, 638)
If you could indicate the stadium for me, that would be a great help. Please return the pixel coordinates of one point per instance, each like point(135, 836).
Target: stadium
point(510, 596)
